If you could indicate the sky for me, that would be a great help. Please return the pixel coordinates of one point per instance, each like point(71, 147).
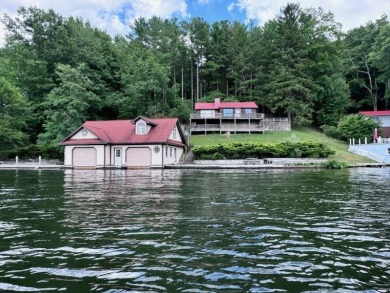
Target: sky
point(115, 16)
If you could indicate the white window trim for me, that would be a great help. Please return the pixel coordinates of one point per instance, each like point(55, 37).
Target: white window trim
point(141, 128)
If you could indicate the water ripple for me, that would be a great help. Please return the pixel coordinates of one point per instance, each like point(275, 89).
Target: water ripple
point(122, 231)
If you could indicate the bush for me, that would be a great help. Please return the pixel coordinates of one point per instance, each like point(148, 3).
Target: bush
point(332, 131)
point(251, 150)
point(356, 126)
point(333, 164)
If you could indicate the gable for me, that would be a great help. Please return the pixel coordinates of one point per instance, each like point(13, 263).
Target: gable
point(83, 133)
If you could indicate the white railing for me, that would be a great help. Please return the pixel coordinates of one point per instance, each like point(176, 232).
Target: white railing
point(267, 124)
point(275, 124)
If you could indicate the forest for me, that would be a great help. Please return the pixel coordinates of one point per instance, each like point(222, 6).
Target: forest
point(57, 72)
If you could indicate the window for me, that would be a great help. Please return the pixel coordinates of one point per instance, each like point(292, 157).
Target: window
point(84, 132)
point(141, 128)
point(174, 132)
point(207, 113)
point(227, 112)
point(248, 112)
point(166, 152)
point(170, 152)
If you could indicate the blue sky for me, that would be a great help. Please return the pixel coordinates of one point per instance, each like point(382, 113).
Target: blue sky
point(115, 16)
point(215, 10)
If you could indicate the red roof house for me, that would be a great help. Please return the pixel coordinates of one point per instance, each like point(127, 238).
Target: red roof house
point(141, 142)
point(226, 117)
point(383, 117)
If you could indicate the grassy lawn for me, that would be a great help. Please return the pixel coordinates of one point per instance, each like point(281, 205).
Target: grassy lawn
point(298, 134)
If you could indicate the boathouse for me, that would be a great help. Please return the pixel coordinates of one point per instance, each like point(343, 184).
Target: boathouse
point(138, 143)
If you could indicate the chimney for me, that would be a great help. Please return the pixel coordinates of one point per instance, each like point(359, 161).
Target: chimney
point(217, 102)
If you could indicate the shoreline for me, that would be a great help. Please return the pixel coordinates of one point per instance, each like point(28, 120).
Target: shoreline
point(191, 166)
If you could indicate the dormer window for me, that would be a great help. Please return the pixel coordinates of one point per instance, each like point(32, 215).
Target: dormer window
point(141, 128)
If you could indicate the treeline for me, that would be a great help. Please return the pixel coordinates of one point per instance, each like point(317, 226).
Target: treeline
point(57, 72)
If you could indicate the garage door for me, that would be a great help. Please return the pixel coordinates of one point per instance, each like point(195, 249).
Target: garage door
point(84, 157)
point(138, 157)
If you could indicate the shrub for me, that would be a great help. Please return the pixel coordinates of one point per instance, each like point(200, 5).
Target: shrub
point(333, 164)
point(332, 131)
point(356, 126)
point(251, 150)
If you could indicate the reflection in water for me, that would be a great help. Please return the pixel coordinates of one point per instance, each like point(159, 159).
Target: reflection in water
point(195, 231)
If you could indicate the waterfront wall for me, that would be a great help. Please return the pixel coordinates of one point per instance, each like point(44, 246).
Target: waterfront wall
point(379, 152)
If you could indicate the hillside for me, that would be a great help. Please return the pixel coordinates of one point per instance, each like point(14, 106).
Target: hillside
point(299, 134)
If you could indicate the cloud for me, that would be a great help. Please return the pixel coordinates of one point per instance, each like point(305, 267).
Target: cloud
point(350, 14)
point(230, 7)
point(114, 16)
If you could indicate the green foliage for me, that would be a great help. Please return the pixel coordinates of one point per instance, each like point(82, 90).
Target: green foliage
point(296, 64)
point(145, 82)
point(13, 112)
point(251, 150)
point(356, 126)
point(34, 151)
point(71, 104)
point(380, 56)
point(333, 131)
point(182, 110)
point(333, 164)
point(367, 71)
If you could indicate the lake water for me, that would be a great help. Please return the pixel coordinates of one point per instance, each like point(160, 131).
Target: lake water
point(195, 231)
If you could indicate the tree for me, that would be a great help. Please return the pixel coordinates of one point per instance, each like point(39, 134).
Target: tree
point(37, 41)
point(217, 66)
point(13, 113)
point(68, 105)
point(197, 40)
point(290, 88)
point(363, 74)
point(328, 69)
point(380, 56)
point(238, 52)
point(145, 82)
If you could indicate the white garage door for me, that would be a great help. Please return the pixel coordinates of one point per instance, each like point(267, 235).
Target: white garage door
point(84, 157)
point(138, 157)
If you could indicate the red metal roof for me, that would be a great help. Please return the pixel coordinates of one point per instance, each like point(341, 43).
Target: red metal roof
point(123, 132)
point(376, 113)
point(225, 105)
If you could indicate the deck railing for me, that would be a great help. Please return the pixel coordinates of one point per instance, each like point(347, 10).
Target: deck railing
point(268, 124)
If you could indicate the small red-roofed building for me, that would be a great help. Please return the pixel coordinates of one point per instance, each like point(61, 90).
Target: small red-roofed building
point(383, 117)
point(232, 117)
point(138, 143)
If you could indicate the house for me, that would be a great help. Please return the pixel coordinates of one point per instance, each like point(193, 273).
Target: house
point(380, 116)
point(232, 117)
point(138, 143)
